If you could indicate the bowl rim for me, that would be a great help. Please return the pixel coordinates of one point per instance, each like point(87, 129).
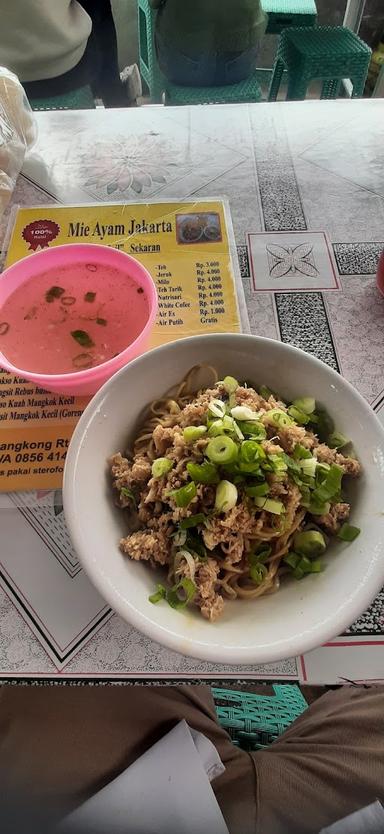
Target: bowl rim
point(87, 373)
point(213, 652)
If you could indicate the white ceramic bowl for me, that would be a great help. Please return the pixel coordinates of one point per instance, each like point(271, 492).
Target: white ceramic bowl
point(302, 615)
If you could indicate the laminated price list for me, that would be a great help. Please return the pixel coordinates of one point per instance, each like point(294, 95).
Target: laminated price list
point(186, 247)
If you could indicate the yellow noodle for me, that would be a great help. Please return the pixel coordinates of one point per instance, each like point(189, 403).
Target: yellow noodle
point(234, 580)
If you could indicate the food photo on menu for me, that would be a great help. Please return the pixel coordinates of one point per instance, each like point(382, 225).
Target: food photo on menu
point(191, 417)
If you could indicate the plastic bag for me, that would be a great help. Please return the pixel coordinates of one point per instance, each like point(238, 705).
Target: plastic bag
point(18, 132)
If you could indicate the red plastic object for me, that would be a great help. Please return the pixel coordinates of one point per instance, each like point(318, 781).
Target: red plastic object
point(380, 274)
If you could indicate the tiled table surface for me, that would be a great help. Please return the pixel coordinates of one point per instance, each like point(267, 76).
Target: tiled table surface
point(297, 168)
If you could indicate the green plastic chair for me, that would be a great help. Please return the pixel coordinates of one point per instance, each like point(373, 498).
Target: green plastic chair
point(255, 721)
point(327, 53)
point(284, 13)
point(245, 91)
point(161, 90)
point(81, 99)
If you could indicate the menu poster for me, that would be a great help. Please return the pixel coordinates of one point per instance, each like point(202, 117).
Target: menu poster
point(189, 250)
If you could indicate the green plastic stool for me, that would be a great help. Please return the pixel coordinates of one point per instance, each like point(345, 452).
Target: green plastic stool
point(328, 53)
point(244, 91)
point(255, 721)
point(81, 99)
point(161, 90)
point(284, 13)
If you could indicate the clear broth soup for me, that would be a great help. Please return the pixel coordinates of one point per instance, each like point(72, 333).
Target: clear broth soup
point(72, 318)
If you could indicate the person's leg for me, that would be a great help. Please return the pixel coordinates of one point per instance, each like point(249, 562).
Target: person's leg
point(83, 74)
point(328, 764)
point(107, 84)
point(59, 745)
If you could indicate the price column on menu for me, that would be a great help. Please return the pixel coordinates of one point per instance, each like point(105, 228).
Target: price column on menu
point(210, 292)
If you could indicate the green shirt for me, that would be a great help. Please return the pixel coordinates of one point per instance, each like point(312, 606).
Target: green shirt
point(216, 26)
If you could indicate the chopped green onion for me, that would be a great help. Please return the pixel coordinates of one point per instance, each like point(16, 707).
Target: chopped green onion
point(277, 418)
point(238, 431)
point(298, 573)
point(317, 566)
point(292, 559)
point(251, 452)
point(310, 543)
point(258, 573)
point(184, 495)
point(278, 463)
point(261, 554)
point(348, 533)
point(216, 428)
point(242, 412)
point(161, 467)
point(226, 496)
point(180, 537)
point(173, 596)
point(300, 452)
point(308, 466)
point(54, 292)
point(127, 493)
point(196, 545)
point(330, 486)
point(265, 392)
point(296, 479)
point(82, 338)
point(203, 473)
point(230, 384)
point(222, 450)
point(324, 424)
point(305, 565)
point(228, 423)
point(311, 482)
point(298, 416)
point(82, 360)
point(225, 424)
point(319, 509)
point(161, 593)
point(257, 490)
point(270, 505)
point(322, 469)
point(250, 460)
point(336, 440)
point(192, 433)
point(305, 404)
point(182, 559)
point(192, 521)
point(254, 428)
point(217, 408)
point(305, 495)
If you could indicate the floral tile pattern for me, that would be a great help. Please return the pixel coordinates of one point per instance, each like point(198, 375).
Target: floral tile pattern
point(282, 261)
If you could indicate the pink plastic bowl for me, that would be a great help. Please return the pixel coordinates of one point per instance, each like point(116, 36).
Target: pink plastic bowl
point(86, 382)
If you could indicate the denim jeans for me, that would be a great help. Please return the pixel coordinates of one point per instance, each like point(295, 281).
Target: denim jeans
point(207, 70)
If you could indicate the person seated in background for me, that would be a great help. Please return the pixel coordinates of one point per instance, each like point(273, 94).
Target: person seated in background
point(208, 43)
point(61, 745)
point(58, 46)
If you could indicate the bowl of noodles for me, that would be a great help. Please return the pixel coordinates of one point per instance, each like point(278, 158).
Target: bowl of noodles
point(223, 493)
